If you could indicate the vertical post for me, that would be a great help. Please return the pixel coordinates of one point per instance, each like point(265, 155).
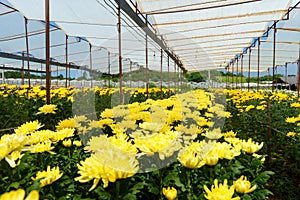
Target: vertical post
point(232, 71)
point(175, 77)
point(258, 62)
point(274, 55)
point(91, 65)
point(178, 79)
point(48, 75)
point(161, 65)
point(41, 74)
point(3, 74)
point(208, 75)
point(268, 131)
point(286, 64)
point(130, 68)
point(108, 70)
point(227, 76)
point(147, 66)
point(57, 75)
point(298, 85)
point(249, 66)
point(69, 80)
point(23, 67)
point(67, 61)
point(169, 94)
point(242, 65)
point(268, 77)
point(27, 50)
point(120, 54)
point(237, 72)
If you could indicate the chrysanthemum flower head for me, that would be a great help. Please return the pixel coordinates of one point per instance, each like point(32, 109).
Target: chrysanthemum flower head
point(47, 109)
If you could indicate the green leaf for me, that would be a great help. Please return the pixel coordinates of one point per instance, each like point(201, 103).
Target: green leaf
point(246, 197)
point(129, 196)
point(14, 185)
point(263, 177)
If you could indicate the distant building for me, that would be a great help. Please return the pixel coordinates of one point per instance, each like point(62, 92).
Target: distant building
point(289, 82)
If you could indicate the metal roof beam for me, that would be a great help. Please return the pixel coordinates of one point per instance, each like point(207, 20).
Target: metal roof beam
point(128, 10)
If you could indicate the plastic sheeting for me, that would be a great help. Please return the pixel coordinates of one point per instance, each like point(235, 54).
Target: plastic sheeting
point(205, 34)
point(200, 31)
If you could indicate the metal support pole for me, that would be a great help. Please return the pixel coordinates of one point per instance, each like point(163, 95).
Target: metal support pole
point(91, 65)
point(48, 74)
point(286, 64)
point(249, 64)
point(175, 77)
point(258, 62)
point(227, 76)
point(69, 75)
point(298, 88)
point(169, 91)
point(130, 77)
point(120, 54)
point(41, 74)
point(57, 75)
point(237, 72)
point(27, 50)
point(147, 64)
point(67, 61)
point(268, 77)
point(274, 56)
point(178, 81)
point(242, 65)
point(161, 65)
point(232, 71)
point(23, 67)
point(108, 71)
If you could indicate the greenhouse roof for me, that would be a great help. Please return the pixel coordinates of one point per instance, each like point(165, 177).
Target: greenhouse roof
point(202, 34)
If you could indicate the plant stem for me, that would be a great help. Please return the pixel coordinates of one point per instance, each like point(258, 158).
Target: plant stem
point(118, 190)
point(188, 173)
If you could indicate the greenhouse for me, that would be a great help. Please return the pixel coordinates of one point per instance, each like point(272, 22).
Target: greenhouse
point(150, 99)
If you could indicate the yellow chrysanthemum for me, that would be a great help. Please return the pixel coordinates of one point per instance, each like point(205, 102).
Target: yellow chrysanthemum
point(165, 144)
point(251, 146)
point(77, 143)
point(170, 193)
point(220, 191)
point(291, 134)
point(28, 127)
point(213, 134)
point(243, 186)
point(291, 120)
point(229, 134)
point(47, 109)
point(66, 123)
point(20, 195)
point(40, 147)
point(249, 107)
point(49, 176)
point(193, 156)
point(67, 143)
point(13, 157)
point(10, 143)
point(107, 164)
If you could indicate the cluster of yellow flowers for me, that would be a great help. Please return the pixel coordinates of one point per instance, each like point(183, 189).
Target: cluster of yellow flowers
point(28, 137)
point(245, 101)
point(35, 92)
point(20, 195)
point(223, 191)
point(161, 128)
point(218, 191)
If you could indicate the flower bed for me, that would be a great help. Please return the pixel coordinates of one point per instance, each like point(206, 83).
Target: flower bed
point(187, 146)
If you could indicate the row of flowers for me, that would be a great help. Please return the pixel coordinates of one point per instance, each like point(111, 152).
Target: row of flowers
point(271, 117)
point(159, 147)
